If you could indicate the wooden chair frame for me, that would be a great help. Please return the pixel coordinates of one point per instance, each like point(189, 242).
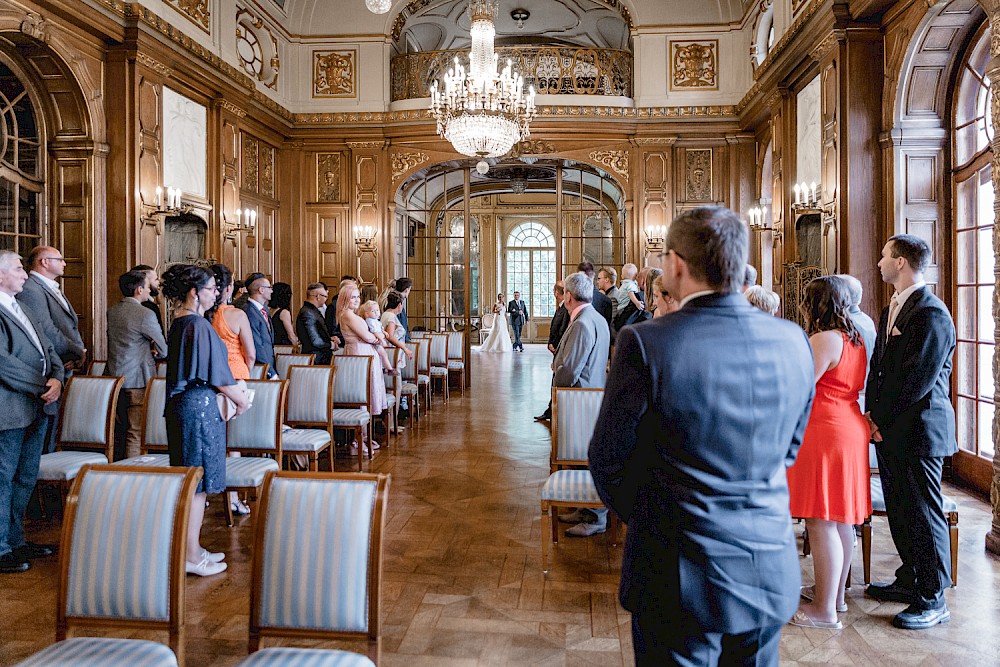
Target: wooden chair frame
point(312, 360)
point(178, 556)
point(423, 354)
point(263, 373)
point(396, 387)
point(324, 425)
point(461, 372)
point(357, 429)
point(373, 636)
point(291, 349)
point(144, 446)
point(94, 362)
point(444, 378)
point(484, 330)
point(411, 365)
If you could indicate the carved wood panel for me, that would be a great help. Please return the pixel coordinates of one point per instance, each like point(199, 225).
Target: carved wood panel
point(830, 157)
point(149, 248)
point(922, 204)
point(332, 223)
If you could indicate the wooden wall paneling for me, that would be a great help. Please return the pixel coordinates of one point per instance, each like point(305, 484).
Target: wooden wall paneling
point(333, 225)
point(779, 202)
point(830, 116)
point(292, 234)
point(921, 209)
point(148, 247)
point(655, 192)
point(739, 173)
point(370, 189)
point(229, 168)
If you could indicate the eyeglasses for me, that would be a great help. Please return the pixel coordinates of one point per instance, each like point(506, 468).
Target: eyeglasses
point(671, 250)
point(58, 259)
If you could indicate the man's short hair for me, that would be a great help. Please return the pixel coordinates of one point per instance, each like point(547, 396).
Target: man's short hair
point(580, 285)
point(750, 276)
point(586, 267)
point(7, 259)
point(854, 287)
point(403, 284)
point(142, 267)
point(611, 273)
point(129, 282)
point(35, 256)
point(913, 249)
point(312, 287)
point(559, 289)
point(714, 243)
point(251, 279)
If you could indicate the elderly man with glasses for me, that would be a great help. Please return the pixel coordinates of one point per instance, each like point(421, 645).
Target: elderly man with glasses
point(310, 327)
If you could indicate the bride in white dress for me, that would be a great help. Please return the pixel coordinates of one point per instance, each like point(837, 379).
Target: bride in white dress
point(499, 338)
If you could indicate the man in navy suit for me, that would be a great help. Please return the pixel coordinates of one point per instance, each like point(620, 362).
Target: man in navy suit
point(259, 293)
point(703, 412)
point(518, 319)
point(908, 398)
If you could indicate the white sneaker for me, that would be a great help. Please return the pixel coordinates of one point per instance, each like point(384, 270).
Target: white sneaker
point(204, 567)
point(576, 516)
point(586, 529)
point(214, 556)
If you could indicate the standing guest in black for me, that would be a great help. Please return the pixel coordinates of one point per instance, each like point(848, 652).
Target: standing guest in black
point(259, 289)
point(314, 337)
point(518, 312)
point(154, 291)
point(560, 321)
point(602, 303)
point(696, 467)
point(281, 315)
point(197, 370)
point(913, 426)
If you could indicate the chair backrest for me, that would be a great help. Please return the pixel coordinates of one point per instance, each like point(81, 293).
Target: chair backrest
point(574, 415)
point(419, 334)
point(335, 523)
point(423, 357)
point(161, 369)
point(259, 372)
point(284, 349)
point(353, 380)
point(409, 372)
point(154, 425)
point(487, 322)
point(456, 345)
point(390, 379)
point(87, 413)
point(439, 349)
point(124, 542)
point(283, 361)
point(97, 367)
point(310, 395)
point(259, 428)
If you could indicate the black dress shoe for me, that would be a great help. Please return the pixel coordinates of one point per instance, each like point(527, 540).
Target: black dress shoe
point(32, 550)
point(915, 618)
point(891, 593)
point(543, 418)
point(11, 563)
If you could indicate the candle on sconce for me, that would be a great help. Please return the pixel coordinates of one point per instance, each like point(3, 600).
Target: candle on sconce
point(239, 213)
point(763, 214)
point(159, 196)
point(814, 197)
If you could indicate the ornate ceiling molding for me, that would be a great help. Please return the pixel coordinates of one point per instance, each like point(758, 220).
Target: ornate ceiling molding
point(366, 145)
point(403, 162)
point(723, 112)
point(826, 45)
point(152, 63)
point(616, 161)
point(787, 38)
point(226, 105)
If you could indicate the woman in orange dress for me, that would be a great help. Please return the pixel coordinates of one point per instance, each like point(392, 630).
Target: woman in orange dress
point(233, 327)
point(828, 484)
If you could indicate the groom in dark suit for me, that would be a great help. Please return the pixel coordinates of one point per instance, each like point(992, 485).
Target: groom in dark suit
point(695, 465)
point(913, 426)
point(518, 319)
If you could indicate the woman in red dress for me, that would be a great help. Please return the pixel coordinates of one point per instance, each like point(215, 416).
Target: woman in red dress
point(828, 485)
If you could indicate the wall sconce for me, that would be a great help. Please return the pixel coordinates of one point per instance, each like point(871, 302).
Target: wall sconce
point(246, 221)
point(656, 234)
point(364, 239)
point(172, 205)
point(364, 235)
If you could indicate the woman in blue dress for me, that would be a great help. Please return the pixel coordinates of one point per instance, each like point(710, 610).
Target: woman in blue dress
point(197, 370)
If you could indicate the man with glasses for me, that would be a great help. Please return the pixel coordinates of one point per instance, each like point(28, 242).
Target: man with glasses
point(314, 337)
point(259, 291)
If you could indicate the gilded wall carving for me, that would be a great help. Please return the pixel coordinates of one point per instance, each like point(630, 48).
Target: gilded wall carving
point(266, 154)
point(532, 147)
point(197, 11)
point(694, 65)
point(334, 73)
point(698, 179)
point(250, 170)
point(34, 25)
point(328, 177)
point(403, 162)
point(616, 161)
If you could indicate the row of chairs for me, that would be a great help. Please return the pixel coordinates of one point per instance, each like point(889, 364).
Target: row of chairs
point(125, 568)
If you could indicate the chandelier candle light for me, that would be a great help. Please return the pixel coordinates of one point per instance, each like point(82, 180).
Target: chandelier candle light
point(378, 6)
point(482, 113)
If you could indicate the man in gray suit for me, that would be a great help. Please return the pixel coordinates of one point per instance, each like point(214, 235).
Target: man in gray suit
point(30, 382)
point(135, 342)
point(582, 361)
point(43, 296)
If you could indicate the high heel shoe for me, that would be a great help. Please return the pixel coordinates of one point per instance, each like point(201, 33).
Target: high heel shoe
point(204, 568)
point(239, 507)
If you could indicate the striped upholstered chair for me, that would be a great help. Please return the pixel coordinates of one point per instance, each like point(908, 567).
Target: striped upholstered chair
point(309, 410)
point(423, 358)
point(283, 361)
point(350, 398)
point(393, 388)
point(439, 361)
point(456, 356)
point(123, 567)
point(335, 522)
point(259, 372)
point(86, 430)
point(97, 367)
point(257, 431)
point(284, 349)
point(408, 382)
point(161, 369)
point(153, 448)
point(574, 414)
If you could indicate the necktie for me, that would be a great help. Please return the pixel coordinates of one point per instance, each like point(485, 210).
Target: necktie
point(267, 318)
point(893, 311)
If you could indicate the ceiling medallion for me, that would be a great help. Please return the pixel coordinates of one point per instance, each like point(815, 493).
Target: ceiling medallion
point(378, 6)
point(481, 112)
point(520, 15)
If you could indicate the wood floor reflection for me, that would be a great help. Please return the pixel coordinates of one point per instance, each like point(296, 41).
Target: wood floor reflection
point(462, 580)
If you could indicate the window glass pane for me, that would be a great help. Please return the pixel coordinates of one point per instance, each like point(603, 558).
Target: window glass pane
point(7, 242)
point(27, 212)
point(965, 368)
point(7, 220)
point(987, 259)
point(965, 313)
point(965, 418)
point(986, 214)
point(965, 203)
point(985, 315)
point(986, 430)
point(986, 386)
point(965, 250)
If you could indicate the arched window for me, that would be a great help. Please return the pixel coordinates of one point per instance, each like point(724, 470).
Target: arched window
point(973, 252)
point(531, 267)
point(763, 34)
point(21, 170)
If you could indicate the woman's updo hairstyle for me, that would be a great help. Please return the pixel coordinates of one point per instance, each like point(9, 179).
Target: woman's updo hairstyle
point(223, 279)
point(178, 281)
point(393, 299)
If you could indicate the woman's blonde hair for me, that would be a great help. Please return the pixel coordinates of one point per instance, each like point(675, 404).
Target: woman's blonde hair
point(763, 299)
point(347, 291)
point(366, 308)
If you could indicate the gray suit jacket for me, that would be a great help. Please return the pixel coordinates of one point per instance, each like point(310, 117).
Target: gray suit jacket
point(132, 328)
point(582, 357)
point(24, 371)
point(61, 325)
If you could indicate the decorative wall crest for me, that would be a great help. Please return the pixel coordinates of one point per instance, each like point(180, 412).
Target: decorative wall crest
point(34, 25)
point(532, 147)
point(335, 73)
point(153, 64)
point(616, 161)
point(250, 172)
point(196, 11)
point(266, 154)
point(403, 162)
point(328, 177)
point(698, 180)
point(654, 141)
point(694, 65)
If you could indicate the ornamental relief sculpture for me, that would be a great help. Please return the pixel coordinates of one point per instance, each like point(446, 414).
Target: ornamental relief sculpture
point(403, 162)
point(694, 65)
point(250, 170)
point(328, 177)
point(698, 180)
point(616, 161)
point(195, 10)
point(334, 73)
point(266, 171)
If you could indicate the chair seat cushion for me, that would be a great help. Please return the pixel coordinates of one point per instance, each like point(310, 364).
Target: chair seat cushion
point(305, 657)
point(454, 365)
point(571, 486)
point(103, 651)
point(247, 471)
point(438, 371)
point(878, 499)
point(408, 389)
point(146, 461)
point(423, 379)
point(304, 440)
point(390, 400)
point(351, 417)
point(65, 465)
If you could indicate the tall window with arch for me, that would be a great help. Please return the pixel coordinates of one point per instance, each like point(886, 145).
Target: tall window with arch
point(21, 170)
point(531, 267)
point(973, 224)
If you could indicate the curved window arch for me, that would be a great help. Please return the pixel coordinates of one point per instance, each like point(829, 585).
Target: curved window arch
point(531, 235)
point(764, 34)
point(21, 167)
point(530, 261)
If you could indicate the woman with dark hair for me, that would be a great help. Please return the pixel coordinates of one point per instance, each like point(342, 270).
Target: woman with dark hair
point(828, 484)
point(281, 303)
point(197, 370)
point(395, 334)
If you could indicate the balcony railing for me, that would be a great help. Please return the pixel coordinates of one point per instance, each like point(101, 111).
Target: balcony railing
point(552, 70)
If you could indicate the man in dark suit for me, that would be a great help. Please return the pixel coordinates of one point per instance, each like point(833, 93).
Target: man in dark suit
point(518, 319)
point(704, 410)
point(557, 328)
point(314, 337)
point(259, 291)
point(602, 304)
point(913, 426)
point(30, 382)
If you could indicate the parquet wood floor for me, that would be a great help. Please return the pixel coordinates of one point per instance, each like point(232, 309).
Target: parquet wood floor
point(462, 581)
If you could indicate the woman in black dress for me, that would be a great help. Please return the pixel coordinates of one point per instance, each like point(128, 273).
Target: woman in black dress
point(197, 370)
point(281, 302)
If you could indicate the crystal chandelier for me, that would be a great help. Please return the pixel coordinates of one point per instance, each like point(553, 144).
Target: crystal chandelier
point(481, 112)
point(378, 6)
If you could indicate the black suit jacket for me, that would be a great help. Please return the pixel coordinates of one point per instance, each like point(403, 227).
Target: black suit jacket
point(518, 312)
point(909, 383)
point(603, 305)
point(332, 325)
point(703, 411)
point(314, 338)
point(558, 326)
point(263, 337)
